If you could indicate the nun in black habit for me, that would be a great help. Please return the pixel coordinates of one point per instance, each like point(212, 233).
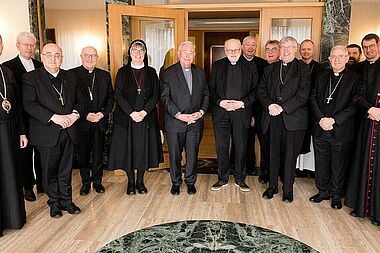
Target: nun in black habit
point(136, 142)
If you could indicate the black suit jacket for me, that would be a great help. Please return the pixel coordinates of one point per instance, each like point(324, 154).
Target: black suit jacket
point(176, 97)
point(295, 94)
point(103, 96)
point(218, 87)
point(343, 111)
point(41, 102)
point(126, 93)
point(367, 93)
point(18, 69)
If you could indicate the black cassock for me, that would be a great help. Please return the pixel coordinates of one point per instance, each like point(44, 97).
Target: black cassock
point(363, 192)
point(12, 207)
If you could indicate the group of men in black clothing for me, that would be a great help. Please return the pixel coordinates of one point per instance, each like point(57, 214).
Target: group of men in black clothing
point(282, 99)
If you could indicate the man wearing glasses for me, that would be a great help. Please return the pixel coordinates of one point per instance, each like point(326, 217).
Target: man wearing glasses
point(272, 51)
point(370, 45)
point(284, 91)
point(232, 85)
point(22, 63)
point(54, 102)
point(96, 85)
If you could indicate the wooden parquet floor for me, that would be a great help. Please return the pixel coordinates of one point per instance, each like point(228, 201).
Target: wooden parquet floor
point(108, 216)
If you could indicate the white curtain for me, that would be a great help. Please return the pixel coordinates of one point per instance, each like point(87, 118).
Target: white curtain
point(300, 29)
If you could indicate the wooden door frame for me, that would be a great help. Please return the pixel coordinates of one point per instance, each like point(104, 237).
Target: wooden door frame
point(115, 13)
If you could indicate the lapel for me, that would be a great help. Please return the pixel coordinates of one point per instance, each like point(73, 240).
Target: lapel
point(276, 77)
point(181, 78)
point(292, 69)
point(65, 88)
point(20, 66)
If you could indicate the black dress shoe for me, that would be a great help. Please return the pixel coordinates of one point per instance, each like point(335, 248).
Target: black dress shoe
point(268, 194)
point(29, 194)
point(318, 198)
point(376, 222)
point(141, 189)
point(99, 188)
point(84, 190)
point(174, 190)
point(131, 189)
point(353, 213)
point(191, 190)
point(71, 209)
point(336, 203)
point(55, 212)
point(263, 179)
point(287, 197)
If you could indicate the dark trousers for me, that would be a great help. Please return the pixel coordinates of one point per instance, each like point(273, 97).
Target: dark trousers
point(56, 165)
point(285, 146)
point(331, 158)
point(264, 152)
point(230, 126)
point(90, 154)
point(177, 141)
point(27, 165)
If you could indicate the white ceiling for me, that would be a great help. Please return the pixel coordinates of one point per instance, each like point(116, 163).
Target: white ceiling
point(75, 4)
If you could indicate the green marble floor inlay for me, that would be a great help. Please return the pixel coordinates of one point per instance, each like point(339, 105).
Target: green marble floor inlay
point(205, 236)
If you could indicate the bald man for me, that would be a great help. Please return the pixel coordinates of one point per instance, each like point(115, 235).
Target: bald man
point(96, 85)
point(232, 84)
point(54, 102)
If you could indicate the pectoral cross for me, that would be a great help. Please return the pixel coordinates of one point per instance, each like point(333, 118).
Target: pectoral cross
point(329, 99)
point(61, 99)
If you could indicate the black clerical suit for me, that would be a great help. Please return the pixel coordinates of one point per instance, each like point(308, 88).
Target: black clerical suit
point(256, 129)
point(290, 90)
point(28, 179)
point(331, 148)
point(97, 89)
point(177, 98)
point(232, 82)
point(55, 144)
point(315, 69)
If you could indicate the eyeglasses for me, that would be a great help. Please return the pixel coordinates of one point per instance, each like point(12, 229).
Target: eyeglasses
point(370, 47)
point(233, 51)
point(338, 57)
point(90, 56)
point(138, 51)
point(288, 48)
point(271, 50)
point(50, 56)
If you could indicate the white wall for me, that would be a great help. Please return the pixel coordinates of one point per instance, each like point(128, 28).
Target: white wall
point(14, 18)
point(365, 19)
point(75, 29)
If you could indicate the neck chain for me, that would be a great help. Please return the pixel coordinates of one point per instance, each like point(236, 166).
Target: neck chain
point(5, 103)
point(60, 93)
point(92, 87)
point(329, 98)
point(139, 82)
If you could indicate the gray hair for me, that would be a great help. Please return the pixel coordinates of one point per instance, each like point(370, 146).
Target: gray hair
point(274, 42)
point(289, 39)
point(186, 42)
point(25, 35)
point(248, 38)
point(232, 40)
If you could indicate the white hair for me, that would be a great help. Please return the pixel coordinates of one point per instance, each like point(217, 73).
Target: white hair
point(186, 42)
point(24, 35)
point(289, 39)
point(339, 47)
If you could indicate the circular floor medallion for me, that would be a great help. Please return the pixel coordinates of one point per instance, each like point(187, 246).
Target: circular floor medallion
point(205, 236)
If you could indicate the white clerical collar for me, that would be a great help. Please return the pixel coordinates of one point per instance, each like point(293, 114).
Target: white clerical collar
point(89, 70)
point(28, 64)
point(338, 73)
point(233, 62)
point(53, 74)
point(137, 66)
point(248, 59)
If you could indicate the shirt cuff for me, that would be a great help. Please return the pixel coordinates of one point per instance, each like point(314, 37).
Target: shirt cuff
point(177, 114)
